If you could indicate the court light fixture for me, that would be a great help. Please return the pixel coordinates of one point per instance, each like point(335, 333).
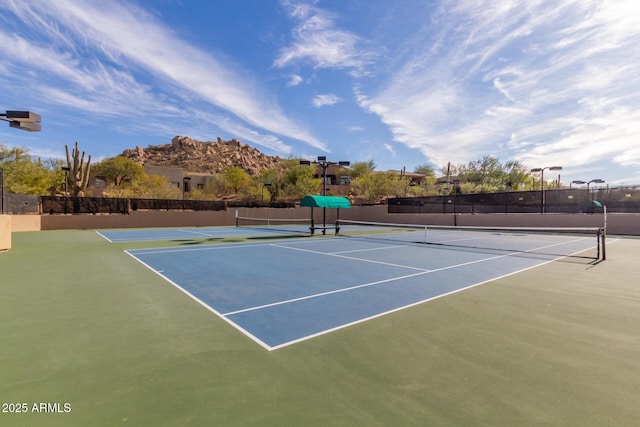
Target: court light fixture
point(593, 181)
point(324, 164)
point(23, 120)
point(541, 171)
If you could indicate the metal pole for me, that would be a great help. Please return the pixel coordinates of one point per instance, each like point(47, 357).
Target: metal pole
point(604, 235)
point(455, 207)
point(542, 192)
point(324, 193)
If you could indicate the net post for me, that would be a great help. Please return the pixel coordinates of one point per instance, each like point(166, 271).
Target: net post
point(237, 222)
point(604, 234)
point(337, 227)
point(313, 224)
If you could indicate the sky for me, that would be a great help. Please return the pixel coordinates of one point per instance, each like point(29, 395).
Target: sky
point(404, 83)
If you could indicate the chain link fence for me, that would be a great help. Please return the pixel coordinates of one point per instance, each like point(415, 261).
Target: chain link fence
point(101, 205)
point(19, 204)
point(619, 199)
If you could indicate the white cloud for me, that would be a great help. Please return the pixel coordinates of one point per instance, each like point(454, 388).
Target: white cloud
point(390, 149)
point(132, 39)
point(325, 100)
point(537, 81)
point(317, 41)
point(294, 80)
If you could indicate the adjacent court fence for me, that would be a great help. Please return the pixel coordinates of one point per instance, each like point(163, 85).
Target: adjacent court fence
point(617, 200)
point(28, 204)
point(620, 199)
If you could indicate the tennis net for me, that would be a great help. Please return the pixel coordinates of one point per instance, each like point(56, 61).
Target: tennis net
point(585, 242)
point(290, 225)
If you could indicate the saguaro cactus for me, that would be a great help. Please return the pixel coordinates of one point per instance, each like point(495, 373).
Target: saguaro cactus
point(78, 171)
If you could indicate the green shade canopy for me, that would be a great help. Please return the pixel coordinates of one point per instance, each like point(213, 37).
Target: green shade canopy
point(325, 202)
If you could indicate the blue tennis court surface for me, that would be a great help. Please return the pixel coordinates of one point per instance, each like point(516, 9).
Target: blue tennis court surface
point(175, 233)
point(285, 291)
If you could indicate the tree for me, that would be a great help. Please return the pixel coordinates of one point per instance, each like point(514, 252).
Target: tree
point(518, 175)
point(274, 179)
point(26, 175)
point(488, 175)
point(427, 185)
point(299, 180)
point(376, 185)
point(236, 179)
point(13, 155)
point(425, 170)
point(358, 169)
point(118, 170)
point(154, 187)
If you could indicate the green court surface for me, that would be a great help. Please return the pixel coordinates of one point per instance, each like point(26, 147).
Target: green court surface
point(101, 340)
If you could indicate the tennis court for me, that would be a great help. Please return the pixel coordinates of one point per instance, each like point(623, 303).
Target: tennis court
point(282, 292)
point(550, 339)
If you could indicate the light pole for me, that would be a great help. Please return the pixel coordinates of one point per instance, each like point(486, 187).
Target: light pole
point(541, 170)
point(185, 182)
point(66, 170)
point(23, 120)
point(324, 164)
point(597, 181)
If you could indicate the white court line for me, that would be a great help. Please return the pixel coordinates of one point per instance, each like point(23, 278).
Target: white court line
point(404, 307)
point(364, 285)
point(370, 249)
point(333, 254)
point(104, 237)
point(209, 247)
point(336, 291)
point(435, 297)
point(200, 233)
point(424, 272)
point(204, 304)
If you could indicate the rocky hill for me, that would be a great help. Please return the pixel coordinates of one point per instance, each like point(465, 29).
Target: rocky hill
point(208, 157)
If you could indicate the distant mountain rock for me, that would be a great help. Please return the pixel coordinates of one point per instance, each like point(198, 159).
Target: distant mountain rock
point(207, 157)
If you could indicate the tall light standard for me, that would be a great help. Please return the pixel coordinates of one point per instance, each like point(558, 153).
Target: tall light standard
point(541, 170)
point(185, 183)
point(66, 170)
point(23, 120)
point(596, 181)
point(324, 164)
